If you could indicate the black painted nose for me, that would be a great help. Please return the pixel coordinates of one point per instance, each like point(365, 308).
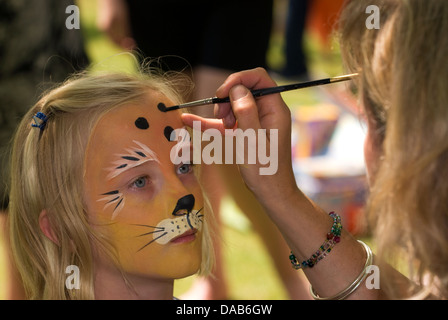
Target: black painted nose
point(184, 203)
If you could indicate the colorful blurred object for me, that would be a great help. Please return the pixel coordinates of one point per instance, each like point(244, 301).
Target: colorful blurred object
point(328, 161)
point(322, 18)
point(314, 126)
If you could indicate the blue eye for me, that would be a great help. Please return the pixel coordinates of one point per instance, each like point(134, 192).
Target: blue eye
point(140, 182)
point(184, 168)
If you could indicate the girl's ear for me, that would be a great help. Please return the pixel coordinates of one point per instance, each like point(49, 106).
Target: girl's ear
point(45, 226)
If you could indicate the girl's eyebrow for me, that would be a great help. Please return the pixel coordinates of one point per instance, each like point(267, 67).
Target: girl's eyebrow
point(134, 157)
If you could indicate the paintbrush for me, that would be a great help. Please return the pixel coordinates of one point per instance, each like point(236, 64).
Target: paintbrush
point(261, 92)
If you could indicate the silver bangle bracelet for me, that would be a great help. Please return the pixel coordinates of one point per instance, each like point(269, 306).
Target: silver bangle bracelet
point(355, 284)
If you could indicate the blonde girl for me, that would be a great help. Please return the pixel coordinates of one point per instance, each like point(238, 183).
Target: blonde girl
point(92, 190)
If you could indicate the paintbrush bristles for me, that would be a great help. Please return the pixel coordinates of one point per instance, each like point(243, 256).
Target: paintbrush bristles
point(343, 78)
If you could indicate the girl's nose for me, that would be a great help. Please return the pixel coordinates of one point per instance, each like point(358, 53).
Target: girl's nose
point(184, 205)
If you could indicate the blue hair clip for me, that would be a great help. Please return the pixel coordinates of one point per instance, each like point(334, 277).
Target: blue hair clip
point(40, 120)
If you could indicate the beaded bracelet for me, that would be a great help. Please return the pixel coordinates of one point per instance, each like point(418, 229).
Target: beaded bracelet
point(333, 237)
point(355, 284)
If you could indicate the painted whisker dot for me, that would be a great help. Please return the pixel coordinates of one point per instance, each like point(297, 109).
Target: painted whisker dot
point(142, 123)
point(161, 106)
point(168, 133)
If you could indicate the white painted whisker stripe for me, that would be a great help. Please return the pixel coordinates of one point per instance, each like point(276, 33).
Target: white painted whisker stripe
point(133, 158)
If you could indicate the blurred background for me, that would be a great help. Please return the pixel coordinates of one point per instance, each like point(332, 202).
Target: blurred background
point(327, 139)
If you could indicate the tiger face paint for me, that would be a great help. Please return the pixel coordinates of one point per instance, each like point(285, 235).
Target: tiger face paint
point(149, 208)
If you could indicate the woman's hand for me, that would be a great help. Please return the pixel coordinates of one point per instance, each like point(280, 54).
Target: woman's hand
point(302, 223)
point(244, 112)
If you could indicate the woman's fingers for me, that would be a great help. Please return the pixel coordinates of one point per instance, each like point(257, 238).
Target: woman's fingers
point(270, 109)
point(253, 79)
point(205, 123)
point(244, 110)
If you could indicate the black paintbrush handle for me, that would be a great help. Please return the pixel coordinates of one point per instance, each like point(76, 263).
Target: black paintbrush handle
point(265, 91)
point(289, 87)
point(279, 89)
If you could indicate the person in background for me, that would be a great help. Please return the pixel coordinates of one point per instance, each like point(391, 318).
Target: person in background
point(295, 58)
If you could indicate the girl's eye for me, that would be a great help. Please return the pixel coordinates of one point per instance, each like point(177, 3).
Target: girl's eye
point(140, 182)
point(184, 169)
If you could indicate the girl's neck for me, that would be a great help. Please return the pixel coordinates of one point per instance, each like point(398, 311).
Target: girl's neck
point(110, 285)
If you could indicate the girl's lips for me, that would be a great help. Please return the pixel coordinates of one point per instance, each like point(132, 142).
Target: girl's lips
point(187, 236)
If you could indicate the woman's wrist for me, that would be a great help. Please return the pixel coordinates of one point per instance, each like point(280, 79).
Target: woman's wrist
point(282, 199)
point(271, 190)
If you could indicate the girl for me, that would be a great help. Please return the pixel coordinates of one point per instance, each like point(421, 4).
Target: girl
point(94, 190)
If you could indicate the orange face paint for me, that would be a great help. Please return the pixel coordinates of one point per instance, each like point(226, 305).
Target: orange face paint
point(150, 209)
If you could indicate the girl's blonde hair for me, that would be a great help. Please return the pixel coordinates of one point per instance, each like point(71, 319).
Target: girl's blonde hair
point(404, 87)
point(47, 172)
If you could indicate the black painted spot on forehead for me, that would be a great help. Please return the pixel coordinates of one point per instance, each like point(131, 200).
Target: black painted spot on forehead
point(161, 106)
point(142, 123)
point(167, 132)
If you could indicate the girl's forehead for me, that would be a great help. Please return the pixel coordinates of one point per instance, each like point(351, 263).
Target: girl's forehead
point(143, 115)
point(138, 120)
point(143, 122)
